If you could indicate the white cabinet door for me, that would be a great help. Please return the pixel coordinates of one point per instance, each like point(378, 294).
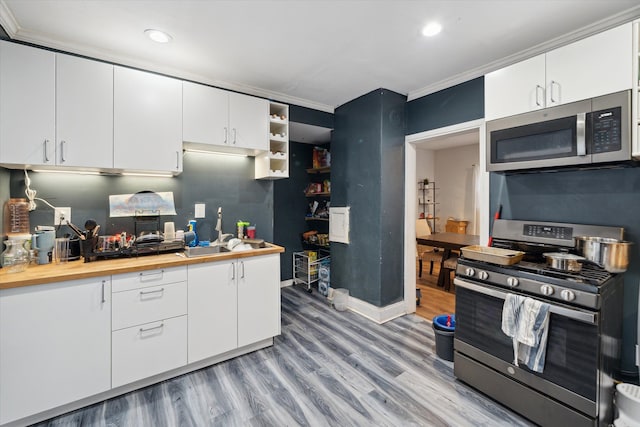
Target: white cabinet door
point(147, 122)
point(55, 345)
point(27, 105)
point(515, 89)
point(213, 313)
point(258, 298)
point(205, 114)
point(598, 65)
point(84, 112)
point(249, 122)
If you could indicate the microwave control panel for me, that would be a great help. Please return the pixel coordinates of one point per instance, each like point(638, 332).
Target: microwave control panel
point(605, 130)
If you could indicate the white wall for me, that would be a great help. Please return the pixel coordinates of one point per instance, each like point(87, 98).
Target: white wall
point(454, 179)
point(451, 170)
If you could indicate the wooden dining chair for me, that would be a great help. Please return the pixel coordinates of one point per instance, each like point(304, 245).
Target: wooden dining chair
point(451, 263)
point(423, 252)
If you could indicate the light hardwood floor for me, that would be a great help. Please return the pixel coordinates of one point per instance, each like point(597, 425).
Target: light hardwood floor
point(435, 300)
point(328, 368)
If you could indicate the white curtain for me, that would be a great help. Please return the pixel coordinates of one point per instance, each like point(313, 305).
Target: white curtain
point(475, 185)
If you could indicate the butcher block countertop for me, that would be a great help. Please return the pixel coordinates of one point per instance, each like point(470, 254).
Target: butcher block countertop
point(72, 270)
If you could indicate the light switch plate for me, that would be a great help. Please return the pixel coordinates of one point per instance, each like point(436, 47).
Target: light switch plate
point(61, 216)
point(199, 210)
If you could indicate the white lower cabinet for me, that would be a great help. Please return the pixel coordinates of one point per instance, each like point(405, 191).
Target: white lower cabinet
point(213, 309)
point(54, 345)
point(258, 299)
point(233, 304)
point(149, 323)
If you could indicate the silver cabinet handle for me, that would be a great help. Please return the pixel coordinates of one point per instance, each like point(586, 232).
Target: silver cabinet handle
point(157, 291)
point(46, 151)
point(177, 160)
point(242, 264)
point(226, 135)
point(581, 145)
point(62, 145)
point(233, 271)
point(539, 90)
point(151, 276)
point(554, 83)
point(103, 298)
point(235, 134)
point(143, 330)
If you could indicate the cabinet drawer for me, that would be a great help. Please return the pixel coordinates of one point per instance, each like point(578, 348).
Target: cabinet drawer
point(143, 279)
point(150, 349)
point(145, 305)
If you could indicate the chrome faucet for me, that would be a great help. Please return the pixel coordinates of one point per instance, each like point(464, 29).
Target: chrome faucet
point(221, 236)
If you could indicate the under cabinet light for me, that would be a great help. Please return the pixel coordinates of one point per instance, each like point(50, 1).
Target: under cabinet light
point(193, 150)
point(149, 175)
point(67, 172)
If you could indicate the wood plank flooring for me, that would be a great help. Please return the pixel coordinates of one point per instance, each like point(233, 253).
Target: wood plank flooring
point(435, 300)
point(328, 368)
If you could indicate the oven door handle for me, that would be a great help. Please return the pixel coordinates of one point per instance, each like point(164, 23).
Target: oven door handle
point(555, 309)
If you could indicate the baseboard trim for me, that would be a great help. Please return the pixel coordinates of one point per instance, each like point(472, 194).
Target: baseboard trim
point(379, 315)
point(285, 283)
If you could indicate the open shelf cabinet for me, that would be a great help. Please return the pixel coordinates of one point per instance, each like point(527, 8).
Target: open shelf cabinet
point(274, 164)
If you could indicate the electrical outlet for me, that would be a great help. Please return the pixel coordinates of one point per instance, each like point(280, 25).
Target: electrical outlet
point(61, 216)
point(199, 210)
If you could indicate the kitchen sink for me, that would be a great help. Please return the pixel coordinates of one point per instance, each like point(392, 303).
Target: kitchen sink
point(204, 250)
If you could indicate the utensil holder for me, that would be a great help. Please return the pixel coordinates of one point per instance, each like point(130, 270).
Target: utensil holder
point(88, 247)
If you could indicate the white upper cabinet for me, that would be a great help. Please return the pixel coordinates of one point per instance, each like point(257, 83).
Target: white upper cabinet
point(515, 89)
point(205, 114)
point(27, 105)
point(84, 113)
point(147, 122)
point(248, 122)
point(594, 66)
point(598, 65)
point(219, 120)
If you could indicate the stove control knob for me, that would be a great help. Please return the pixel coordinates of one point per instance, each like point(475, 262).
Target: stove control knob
point(469, 272)
point(483, 275)
point(546, 290)
point(567, 295)
point(512, 282)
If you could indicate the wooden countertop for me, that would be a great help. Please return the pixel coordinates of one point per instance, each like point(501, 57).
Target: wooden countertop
point(50, 273)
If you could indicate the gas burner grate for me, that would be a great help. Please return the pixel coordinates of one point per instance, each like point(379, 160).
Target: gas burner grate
point(590, 273)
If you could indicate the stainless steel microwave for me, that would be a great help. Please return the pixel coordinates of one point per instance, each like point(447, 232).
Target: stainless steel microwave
point(596, 130)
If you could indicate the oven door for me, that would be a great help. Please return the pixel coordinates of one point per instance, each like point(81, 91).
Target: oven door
point(571, 367)
point(544, 138)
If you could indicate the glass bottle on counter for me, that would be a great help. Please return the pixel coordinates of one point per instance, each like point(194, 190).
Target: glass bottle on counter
point(15, 258)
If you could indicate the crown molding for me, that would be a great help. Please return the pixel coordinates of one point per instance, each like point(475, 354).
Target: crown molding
point(589, 30)
point(7, 20)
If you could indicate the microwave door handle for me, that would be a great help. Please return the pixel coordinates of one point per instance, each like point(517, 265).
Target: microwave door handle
point(581, 144)
point(555, 309)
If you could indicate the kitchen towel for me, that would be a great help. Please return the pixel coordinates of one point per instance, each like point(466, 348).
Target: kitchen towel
point(526, 321)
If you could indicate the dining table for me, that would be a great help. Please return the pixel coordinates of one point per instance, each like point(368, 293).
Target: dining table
point(447, 241)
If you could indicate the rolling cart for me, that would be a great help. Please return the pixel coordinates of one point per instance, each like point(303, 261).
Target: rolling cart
point(306, 268)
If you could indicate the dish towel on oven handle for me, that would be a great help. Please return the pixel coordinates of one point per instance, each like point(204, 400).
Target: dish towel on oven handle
point(526, 321)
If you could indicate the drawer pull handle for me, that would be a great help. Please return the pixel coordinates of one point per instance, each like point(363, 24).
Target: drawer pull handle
point(103, 298)
point(143, 330)
point(157, 291)
point(151, 276)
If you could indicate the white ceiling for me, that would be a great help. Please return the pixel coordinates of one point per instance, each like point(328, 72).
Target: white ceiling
point(314, 53)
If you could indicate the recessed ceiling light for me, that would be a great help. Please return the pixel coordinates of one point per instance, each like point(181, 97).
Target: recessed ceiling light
point(158, 36)
point(431, 29)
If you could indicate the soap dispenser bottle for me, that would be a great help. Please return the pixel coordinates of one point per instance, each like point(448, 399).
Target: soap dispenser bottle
point(192, 227)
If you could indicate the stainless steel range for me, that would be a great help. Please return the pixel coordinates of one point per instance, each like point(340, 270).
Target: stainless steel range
point(584, 333)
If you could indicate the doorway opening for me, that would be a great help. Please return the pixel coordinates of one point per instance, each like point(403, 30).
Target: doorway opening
point(453, 159)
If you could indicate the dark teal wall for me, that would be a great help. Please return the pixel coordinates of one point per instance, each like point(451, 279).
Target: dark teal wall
point(310, 116)
point(368, 176)
point(213, 179)
point(457, 104)
point(291, 205)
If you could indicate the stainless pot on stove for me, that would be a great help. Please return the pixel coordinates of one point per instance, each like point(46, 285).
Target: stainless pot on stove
point(564, 262)
point(610, 254)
